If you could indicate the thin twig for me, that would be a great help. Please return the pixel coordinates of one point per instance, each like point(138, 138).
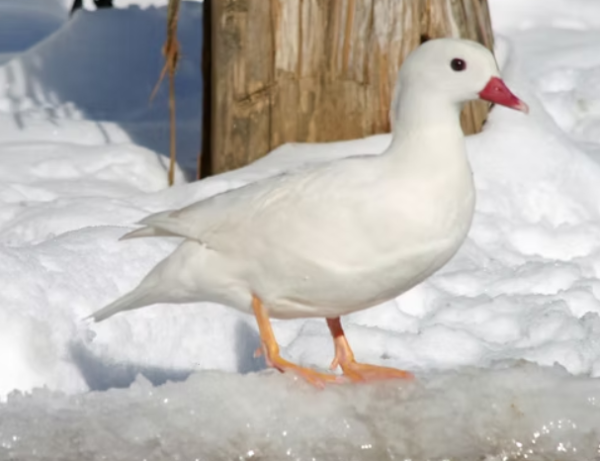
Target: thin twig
point(171, 54)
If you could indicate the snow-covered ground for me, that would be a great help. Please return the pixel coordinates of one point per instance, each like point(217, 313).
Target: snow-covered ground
point(80, 163)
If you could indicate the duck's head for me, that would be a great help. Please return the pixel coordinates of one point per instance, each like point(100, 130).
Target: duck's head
point(458, 71)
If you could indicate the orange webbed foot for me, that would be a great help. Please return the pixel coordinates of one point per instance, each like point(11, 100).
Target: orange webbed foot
point(354, 371)
point(362, 372)
point(314, 377)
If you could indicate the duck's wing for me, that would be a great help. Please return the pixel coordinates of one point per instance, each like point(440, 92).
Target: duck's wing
point(305, 190)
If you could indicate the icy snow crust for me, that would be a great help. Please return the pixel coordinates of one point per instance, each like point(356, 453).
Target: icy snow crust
point(482, 335)
point(519, 412)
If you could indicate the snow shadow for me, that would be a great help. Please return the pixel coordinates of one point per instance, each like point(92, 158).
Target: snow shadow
point(103, 66)
point(101, 376)
point(246, 342)
point(24, 24)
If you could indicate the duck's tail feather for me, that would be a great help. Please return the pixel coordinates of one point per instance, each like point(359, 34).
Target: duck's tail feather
point(132, 300)
point(163, 284)
point(147, 232)
point(151, 227)
point(168, 223)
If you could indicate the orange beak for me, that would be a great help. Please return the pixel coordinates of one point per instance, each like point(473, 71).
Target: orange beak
point(497, 92)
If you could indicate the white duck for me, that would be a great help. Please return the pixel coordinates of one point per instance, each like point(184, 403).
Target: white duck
point(335, 238)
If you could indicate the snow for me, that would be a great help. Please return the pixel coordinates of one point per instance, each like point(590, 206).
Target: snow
point(514, 412)
point(505, 340)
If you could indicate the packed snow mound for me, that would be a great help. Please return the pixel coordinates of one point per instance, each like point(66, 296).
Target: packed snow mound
point(66, 187)
point(509, 413)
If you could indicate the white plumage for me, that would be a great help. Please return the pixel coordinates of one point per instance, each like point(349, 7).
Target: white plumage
point(334, 238)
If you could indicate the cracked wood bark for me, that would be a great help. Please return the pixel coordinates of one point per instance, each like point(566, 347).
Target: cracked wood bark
point(320, 70)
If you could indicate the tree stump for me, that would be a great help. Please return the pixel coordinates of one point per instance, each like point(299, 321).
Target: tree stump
point(319, 70)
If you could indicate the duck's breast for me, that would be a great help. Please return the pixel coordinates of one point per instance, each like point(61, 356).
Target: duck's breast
point(329, 252)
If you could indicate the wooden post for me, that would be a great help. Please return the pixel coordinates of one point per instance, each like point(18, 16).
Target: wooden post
point(319, 70)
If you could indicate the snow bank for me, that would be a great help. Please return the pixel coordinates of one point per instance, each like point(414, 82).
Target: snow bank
point(508, 15)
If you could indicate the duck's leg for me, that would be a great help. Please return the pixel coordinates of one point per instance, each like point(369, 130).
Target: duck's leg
point(344, 357)
point(270, 350)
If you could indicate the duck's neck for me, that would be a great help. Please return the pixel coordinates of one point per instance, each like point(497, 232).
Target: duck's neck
point(426, 129)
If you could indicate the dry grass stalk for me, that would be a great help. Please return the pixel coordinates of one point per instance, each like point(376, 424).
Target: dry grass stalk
point(171, 54)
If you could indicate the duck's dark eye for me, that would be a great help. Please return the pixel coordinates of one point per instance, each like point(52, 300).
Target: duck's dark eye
point(458, 64)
